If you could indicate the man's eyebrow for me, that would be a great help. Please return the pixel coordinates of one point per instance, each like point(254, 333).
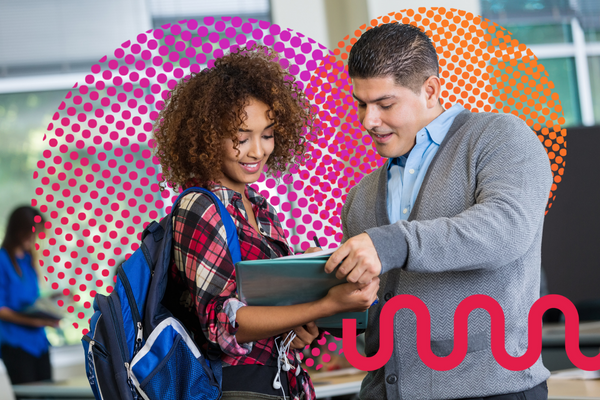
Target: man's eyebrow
point(384, 97)
point(248, 130)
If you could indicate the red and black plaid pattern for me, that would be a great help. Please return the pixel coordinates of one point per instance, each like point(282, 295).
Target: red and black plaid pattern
point(202, 272)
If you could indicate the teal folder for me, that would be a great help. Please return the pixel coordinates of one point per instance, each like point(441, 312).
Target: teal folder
point(287, 281)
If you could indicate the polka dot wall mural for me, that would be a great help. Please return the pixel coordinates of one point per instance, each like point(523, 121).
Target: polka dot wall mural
point(98, 179)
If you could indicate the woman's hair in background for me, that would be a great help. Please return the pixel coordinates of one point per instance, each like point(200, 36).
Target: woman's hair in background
point(19, 229)
point(208, 106)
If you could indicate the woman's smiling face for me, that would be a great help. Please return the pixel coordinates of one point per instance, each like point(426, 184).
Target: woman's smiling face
point(256, 143)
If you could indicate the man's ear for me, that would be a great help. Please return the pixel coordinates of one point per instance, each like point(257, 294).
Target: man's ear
point(433, 90)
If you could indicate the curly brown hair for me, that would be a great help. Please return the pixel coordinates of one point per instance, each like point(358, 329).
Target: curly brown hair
point(207, 107)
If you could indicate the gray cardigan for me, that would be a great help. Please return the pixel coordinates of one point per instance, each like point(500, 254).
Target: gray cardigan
point(475, 228)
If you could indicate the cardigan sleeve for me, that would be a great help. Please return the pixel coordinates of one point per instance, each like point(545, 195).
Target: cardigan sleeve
point(513, 180)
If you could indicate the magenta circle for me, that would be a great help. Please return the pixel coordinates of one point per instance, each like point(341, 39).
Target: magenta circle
point(220, 26)
point(247, 27)
point(285, 35)
point(257, 34)
point(274, 29)
point(175, 29)
point(192, 24)
point(202, 31)
point(224, 43)
point(240, 39)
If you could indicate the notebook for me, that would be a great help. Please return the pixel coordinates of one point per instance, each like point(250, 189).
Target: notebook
point(291, 280)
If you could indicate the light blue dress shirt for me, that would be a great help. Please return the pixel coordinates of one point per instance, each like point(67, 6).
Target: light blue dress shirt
point(406, 173)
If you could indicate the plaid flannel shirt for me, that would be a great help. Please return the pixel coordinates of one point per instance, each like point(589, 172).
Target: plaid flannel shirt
point(203, 273)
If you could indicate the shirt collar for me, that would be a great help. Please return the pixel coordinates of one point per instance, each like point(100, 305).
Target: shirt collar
point(264, 215)
point(228, 196)
point(439, 127)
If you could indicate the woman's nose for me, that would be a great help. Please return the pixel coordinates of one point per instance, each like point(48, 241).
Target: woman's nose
point(256, 150)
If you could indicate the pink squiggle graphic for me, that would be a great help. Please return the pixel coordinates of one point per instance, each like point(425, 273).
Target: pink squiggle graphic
point(386, 334)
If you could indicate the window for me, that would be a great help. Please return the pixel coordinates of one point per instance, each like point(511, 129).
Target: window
point(564, 35)
point(23, 121)
point(24, 118)
point(594, 65)
point(561, 71)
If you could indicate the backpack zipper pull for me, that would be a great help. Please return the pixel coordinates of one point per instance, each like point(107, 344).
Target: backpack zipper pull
point(129, 372)
point(140, 331)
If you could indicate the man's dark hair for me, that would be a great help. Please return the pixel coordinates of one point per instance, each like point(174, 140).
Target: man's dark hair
point(400, 51)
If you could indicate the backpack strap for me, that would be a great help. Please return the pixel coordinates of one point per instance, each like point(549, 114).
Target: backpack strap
point(214, 351)
point(154, 311)
point(233, 241)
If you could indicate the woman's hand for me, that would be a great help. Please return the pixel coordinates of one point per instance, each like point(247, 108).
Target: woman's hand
point(305, 335)
point(351, 297)
point(43, 322)
point(312, 250)
point(9, 315)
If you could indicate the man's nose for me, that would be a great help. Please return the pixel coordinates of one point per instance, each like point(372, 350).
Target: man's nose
point(371, 118)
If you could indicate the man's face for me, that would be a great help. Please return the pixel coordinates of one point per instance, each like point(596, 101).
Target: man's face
point(392, 114)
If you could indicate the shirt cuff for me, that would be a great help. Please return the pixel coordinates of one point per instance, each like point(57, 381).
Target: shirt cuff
point(391, 246)
point(229, 343)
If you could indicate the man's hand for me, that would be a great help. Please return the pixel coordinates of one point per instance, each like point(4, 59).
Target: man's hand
point(360, 262)
point(351, 297)
point(305, 335)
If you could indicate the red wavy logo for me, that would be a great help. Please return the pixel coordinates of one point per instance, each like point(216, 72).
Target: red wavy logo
point(534, 336)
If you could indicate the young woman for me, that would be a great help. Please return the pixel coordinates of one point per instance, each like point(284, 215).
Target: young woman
point(220, 129)
point(24, 344)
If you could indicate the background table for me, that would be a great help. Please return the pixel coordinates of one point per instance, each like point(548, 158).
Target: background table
point(553, 344)
point(563, 389)
point(71, 389)
point(327, 384)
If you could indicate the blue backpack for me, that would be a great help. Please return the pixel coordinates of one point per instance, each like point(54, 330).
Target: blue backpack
point(135, 348)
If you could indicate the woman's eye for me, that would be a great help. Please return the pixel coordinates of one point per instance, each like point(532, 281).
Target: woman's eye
point(268, 137)
point(243, 141)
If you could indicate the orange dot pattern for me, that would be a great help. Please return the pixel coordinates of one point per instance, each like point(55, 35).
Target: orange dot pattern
point(481, 67)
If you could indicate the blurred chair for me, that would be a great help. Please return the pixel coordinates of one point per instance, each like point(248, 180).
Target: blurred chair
point(6, 392)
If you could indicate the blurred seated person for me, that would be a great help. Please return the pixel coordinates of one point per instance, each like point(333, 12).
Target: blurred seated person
point(24, 343)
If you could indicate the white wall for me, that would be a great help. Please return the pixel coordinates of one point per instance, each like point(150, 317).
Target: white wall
point(62, 31)
point(307, 17)
point(378, 8)
point(328, 21)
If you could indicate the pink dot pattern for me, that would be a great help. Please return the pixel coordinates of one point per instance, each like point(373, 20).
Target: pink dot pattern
point(98, 178)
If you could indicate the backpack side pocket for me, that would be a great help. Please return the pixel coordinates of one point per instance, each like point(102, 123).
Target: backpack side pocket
point(170, 366)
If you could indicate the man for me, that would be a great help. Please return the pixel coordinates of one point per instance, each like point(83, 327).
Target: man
point(457, 210)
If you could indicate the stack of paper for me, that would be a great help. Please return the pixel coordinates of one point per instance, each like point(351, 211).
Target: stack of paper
point(44, 308)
